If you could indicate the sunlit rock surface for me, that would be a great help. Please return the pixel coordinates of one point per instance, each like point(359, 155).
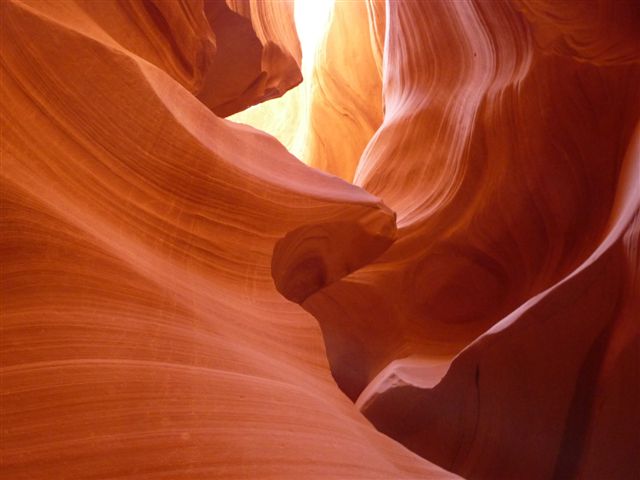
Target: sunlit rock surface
point(512, 164)
point(343, 90)
point(183, 298)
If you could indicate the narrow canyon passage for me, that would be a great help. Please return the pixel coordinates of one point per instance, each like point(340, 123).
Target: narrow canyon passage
point(447, 285)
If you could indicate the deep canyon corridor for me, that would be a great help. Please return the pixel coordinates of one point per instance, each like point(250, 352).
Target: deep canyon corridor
point(350, 239)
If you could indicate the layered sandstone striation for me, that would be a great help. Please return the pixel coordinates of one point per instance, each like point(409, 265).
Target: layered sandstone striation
point(183, 298)
point(142, 333)
point(499, 336)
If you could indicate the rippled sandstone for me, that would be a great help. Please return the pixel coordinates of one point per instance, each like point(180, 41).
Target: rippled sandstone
point(181, 295)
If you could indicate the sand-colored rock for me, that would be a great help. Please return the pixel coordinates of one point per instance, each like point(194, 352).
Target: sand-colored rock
point(550, 391)
point(347, 92)
point(229, 56)
point(142, 334)
point(258, 54)
point(183, 298)
point(503, 159)
point(343, 90)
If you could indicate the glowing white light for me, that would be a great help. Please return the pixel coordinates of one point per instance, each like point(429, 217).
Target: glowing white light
point(311, 17)
point(287, 118)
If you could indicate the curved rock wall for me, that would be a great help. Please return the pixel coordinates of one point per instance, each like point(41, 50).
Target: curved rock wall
point(142, 334)
point(181, 295)
point(509, 159)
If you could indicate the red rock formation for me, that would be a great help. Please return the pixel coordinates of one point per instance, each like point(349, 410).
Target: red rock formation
point(343, 89)
point(154, 254)
point(142, 334)
point(347, 91)
point(257, 57)
point(503, 159)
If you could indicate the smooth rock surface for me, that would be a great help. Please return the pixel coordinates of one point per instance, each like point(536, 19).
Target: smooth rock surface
point(183, 298)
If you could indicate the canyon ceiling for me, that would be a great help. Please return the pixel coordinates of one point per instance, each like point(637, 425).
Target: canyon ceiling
point(447, 285)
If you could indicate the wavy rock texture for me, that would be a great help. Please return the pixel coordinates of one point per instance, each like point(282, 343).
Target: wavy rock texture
point(347, 91)
point(142, 334)
point(343, 91)
point(258, 55)
point(229, 55)
point(485, 316)
point(502, 152)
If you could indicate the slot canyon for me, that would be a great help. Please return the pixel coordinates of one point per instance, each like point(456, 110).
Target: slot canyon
point(320, 239)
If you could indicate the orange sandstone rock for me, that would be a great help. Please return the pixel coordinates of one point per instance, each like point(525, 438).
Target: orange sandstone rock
point(142, 334)
point(183, 298)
